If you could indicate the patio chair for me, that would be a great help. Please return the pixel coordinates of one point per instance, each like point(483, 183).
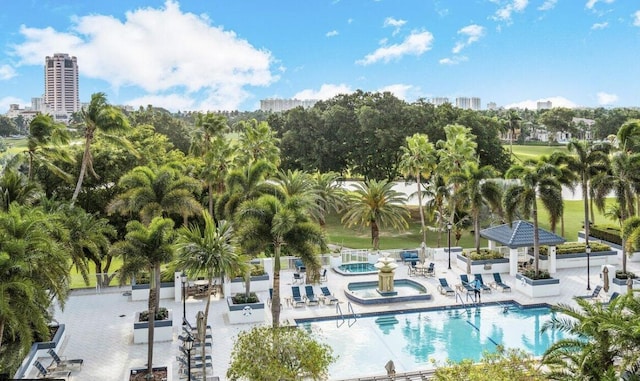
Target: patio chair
point(483, 286)
point(298, 278)
point(465, 283)
point(497, 282)
point(444, 287)
point(44, 373)
point(327, 296)
point(613, 297)
point(300, 267)
point(431, 270)
point(323, 276)
point(595, 295)
point(413, 269)
point(191, 330)
point(312, 299)
point(195, 355)
point(296, 297)
point(63, 362)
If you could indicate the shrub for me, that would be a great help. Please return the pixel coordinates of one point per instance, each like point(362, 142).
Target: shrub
point(162, 314)
point(575, 247)
point(622, 275)
point(609, 233)
point(531, 274)
point(484, 254)
point(243, 298)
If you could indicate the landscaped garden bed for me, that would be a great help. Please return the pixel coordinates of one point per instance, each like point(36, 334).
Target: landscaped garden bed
point(486, 262)
point(574, 255)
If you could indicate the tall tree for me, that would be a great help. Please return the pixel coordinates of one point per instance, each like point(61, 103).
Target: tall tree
point(376, 204)
point(209, 251)
point(267, 224)
point(419, 161)
point(147, 248)
point(536, 179)
point(513, 123)
point(45, 145)
point(257, 142)
point(244, 183)
point(331, 195)
point(15, 187)
point(98, 117)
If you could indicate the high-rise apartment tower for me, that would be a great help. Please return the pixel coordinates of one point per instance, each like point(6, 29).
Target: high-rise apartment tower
point(61, 93)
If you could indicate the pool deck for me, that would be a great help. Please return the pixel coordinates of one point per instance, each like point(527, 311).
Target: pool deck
point(99, 325)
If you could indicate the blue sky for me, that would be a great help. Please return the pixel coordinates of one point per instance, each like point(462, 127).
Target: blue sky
point(225, 55)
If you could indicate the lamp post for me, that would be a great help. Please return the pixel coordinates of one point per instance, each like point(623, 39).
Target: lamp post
point(449, 226)
point(587, 249)
point(183, 278)
point(188, 345)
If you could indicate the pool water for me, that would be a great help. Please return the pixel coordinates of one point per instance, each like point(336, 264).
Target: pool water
point(413, 339)
point(358, 268)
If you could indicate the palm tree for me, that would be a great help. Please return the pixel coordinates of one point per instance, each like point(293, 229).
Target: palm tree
point(99, 117)
point(437, 193)
point(419, 160)
point(15, 187)
point(44, 145)
point(536, 179)
point(376, 204)
point(588, 161)
point(157, 192)
point(513, 122)
point(245, 183)
point(267, 224)
point(147, 248)
point(208, 251)
point(330, 195)
point(479, 191)
point(257, 142)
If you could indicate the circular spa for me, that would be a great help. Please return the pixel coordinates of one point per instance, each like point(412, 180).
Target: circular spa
point(404, 290)
point(356, 268)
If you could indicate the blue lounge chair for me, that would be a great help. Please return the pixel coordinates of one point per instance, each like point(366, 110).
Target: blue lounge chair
point(296, 297)
point(497, 281)
point(311, 296)
point(483, 286)
point(63, 363)
point(431, 270)
point(300, 267)
point(595, 295)
point(44, 373)
point(444, 287)
point(465, 283)
point(323, 276)
point(298, 278)
point(328, 297)
point(612, 298)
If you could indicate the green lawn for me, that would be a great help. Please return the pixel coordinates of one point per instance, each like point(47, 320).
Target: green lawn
point(522, 153)
point(14, 146)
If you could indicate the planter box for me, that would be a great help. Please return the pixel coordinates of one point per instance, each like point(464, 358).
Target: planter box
point(633, 257)
point(620, 286)
point(134, 371)
point(537, 288)
point(483, 266)
point(442, 253)
point(162, 329)
point(579, 260)
point(245, 312)
point(258, 283)
point(140, 292)
point(39, 350)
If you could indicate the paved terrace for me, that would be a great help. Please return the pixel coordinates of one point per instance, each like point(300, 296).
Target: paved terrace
point(99, 325)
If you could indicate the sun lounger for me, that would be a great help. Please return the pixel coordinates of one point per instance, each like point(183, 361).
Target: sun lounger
point(323, 276)
point(444, 287)
point(61, 363)
point(298, 278)
point(300, 267)
point(327, 296)
point(296, 297)
point(483, 286)
point(465, 283)
point(613, 297)
point(595, 295)
point(310, 295)
point(44, 373)
point(497, 282)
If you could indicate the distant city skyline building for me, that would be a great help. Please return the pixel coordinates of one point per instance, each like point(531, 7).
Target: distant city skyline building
point(61, 89)
point(437, 101)
point(544, 105)
point(492, 106)
point(279, 104)
point(469, 103)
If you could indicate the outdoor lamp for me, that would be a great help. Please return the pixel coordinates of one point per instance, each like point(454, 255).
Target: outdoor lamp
point(188, 345)
point(449, 226)
point(587, 249)
point(183, 278)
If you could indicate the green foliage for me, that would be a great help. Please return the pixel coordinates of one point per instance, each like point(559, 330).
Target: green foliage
point(161, 314)
point(609, 233)
point(286, 354)
point(484, 254)
point(622, 275)
point(531, 274)
point(503, 365)
point(244, 298)
point(575, 247)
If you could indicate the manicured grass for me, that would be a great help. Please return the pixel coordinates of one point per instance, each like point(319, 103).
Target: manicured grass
point(522, 153)
point(14, 146)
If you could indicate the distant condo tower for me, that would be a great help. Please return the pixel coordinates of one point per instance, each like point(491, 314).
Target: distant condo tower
point(61, 92)
point(279, 105)
point(468, 103)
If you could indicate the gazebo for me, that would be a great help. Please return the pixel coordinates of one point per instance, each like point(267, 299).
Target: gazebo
point(519, 234)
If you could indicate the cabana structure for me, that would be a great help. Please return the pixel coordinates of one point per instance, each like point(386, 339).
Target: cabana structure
point(517, 235)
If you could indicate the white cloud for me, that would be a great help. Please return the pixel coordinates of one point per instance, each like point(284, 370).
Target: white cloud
point(533, 105)
point(332, 33)
point(396, 24)
point(6, 72)
point(636, 18)
point(326, 91)
point(453, 60)
point(592, 3)
point(547, 5)
point(171, 102)
point(600, 25)
point(399, 90)
point(504, 13)
point(472, 32)
point(159, 50)
point(606, 98)
point(6, 101)
point(416, 44)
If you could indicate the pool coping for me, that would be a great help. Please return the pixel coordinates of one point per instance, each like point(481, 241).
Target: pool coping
point(337, 271)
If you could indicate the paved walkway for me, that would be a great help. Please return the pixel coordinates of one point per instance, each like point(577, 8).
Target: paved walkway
point(99, 326)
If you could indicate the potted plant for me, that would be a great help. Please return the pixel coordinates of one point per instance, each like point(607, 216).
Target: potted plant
point(537, 284)
point(484, 262)
point(245, 308)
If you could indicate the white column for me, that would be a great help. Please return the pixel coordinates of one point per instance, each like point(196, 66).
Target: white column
point(513, 262)
point(177, 289)
point(492, 245)
point(552, 259)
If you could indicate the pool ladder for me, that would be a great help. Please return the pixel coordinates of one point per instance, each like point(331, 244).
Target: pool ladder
point(351, 315)
point(469, 299)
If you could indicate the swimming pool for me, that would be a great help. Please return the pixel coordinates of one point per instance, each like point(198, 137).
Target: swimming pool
point(356, 268)
point(404, 290)
point(412, 339)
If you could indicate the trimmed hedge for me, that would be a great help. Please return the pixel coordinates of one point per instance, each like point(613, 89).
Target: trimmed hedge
point(484, 254)
point(609, 233)
point(575, 247)
point(531, 274)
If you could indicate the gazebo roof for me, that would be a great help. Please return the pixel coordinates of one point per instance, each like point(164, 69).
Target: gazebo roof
point(519, 234)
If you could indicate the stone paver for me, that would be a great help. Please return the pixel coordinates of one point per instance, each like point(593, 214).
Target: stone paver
point(99, 326)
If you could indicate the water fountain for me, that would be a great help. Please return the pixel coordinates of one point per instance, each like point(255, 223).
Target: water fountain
point(386, 271)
